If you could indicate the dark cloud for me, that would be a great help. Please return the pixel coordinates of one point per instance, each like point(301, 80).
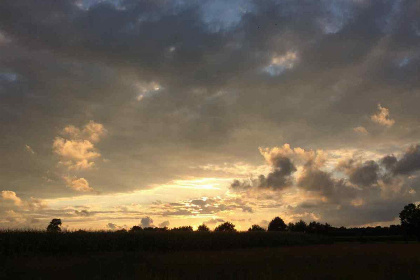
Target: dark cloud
point(410, 162)
point(111, 226)
point(278, 179)
point(389, 162)
point(365, 175)
point(146, 222)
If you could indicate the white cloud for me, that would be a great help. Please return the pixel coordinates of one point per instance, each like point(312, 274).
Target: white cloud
point(78, 184)
point(281, 63)
point(92, 132)
point(382, 117)
point(31, 204)
point(79, 151)
point(11, 195)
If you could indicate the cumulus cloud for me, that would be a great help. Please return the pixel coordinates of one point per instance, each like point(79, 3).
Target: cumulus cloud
point(78, 184)
point(30, 204)
point(382, 117)
point(11, 195)
point(79, 152)
point(180, 79)
point(164, 224)
point(407, 164)
point(146, 222)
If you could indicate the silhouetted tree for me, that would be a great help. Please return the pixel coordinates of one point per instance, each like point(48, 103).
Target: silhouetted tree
point(256, 228)
point(300, 226)
point(203, 228)
point(54, 225)
point(183, 228)
point(136, 229)
point(277, 224)
point(410, 219)
point(226, 227)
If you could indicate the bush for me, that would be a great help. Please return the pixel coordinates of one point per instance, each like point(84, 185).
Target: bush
point(54, 226)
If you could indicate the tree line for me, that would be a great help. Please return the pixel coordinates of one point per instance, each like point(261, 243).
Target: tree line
point(409, 217)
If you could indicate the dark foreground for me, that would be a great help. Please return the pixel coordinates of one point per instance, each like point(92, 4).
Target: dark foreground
point(329, 261)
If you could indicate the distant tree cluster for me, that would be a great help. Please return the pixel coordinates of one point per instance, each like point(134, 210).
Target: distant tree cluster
point(409, 216)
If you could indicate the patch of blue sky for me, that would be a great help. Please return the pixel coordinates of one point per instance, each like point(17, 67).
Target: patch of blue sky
point(8, 77)
point(337, 14)
point(403, 62)
point(275, 70)
point(220, 15)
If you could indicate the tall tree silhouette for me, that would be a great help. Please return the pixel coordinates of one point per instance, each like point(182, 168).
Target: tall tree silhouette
point(277, 224)
point(410, 219)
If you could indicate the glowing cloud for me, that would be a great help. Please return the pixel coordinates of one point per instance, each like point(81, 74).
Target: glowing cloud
point(281, 63)
point(79, 152)
point(78, 184)
point(382, 117)
point(11, 195)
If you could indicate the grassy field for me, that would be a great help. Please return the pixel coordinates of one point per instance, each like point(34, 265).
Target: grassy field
point(38, 242)
point(208, 255)
point(333, 261)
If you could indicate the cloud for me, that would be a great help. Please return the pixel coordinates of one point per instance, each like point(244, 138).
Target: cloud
point(164, 224)
point(146, 222)
point(361, 174)
point(78, 184)
point(361, 130)
point(83, 213)
point(279, 178)
point(29, 149)
point(281, 63)
point(92, 132)
point(382, 117)
point(11, 195)
point(111, 226)
point(214, 221)
point(79, 152)
point(30, 204)
point(407, 164)
point(198, 68)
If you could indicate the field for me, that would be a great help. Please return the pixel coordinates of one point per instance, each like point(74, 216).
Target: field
point(336, 261)
point(166, 255)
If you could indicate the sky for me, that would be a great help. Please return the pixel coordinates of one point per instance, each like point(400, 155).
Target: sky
point(115, 113)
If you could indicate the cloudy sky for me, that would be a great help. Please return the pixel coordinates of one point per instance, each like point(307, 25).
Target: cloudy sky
point(116, 113)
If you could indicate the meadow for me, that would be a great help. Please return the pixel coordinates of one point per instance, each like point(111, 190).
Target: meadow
point(322, 261)
point(205, 255)
point(41, 242)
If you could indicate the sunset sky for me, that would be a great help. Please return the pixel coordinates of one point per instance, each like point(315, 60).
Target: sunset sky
point(116, 113)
